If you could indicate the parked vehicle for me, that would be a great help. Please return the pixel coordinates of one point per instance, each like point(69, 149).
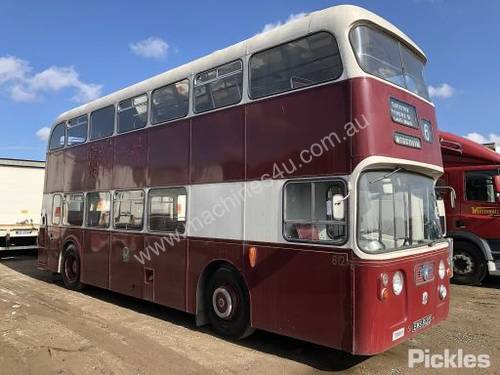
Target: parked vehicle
point(471, 190)
point(21, 187)
point(285, 183)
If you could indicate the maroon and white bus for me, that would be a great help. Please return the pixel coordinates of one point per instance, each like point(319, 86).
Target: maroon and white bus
point(285, 183)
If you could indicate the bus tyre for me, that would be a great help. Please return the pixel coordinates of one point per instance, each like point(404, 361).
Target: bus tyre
point(469, 265)
point(227, 303)
point(71, 268)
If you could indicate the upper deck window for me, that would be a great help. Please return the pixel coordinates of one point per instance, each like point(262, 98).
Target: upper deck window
point(303, 62)
point(386, 57)
point(57, 137)
point(218, 87)
point(132, 114)
point(77, 130)
point(102, 123)
point(170, 102)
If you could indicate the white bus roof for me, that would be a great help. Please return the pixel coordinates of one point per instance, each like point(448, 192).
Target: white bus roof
point(337, 19)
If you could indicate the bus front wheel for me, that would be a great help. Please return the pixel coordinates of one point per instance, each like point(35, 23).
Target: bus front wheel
point(227, 303)
point(71, 268)
point(469, 266)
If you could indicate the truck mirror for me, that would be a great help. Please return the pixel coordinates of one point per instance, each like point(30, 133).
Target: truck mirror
point(496, 183)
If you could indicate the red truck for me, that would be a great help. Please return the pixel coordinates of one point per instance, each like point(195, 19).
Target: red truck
point(470, 188)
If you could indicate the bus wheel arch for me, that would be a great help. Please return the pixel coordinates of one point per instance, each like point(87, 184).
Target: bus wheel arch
point(209, 284)
point(469, 263)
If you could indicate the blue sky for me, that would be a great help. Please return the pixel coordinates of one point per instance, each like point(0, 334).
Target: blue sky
point(56, 54)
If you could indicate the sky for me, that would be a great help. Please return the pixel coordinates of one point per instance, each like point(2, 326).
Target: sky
point(58, 54)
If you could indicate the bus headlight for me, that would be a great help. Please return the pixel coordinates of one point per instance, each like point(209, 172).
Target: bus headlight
point(442, 292)
point(397, 283)
point(442, 270)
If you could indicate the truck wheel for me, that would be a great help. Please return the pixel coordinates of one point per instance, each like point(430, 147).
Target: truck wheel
point(71, 268)
point(469, 265)
point(227, 303)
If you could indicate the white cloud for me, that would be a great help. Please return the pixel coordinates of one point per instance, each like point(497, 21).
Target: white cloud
point(479, 138)
point(152, 47)
point(291, 17)
point(443, 91)
point(17, 77)
point(12, 68)
point(43, 134)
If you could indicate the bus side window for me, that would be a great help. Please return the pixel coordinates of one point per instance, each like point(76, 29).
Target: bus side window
point(58, 137)
point(218, 87)
point(98, 210)
point(170, 102)
point(128, 210)
point(102, 123)
point(73, 210)
point(300, 63)
point(167, 210)
point(308, 214)
point(132, 114)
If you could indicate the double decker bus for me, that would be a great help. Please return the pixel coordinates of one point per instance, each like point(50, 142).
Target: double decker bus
point(285, 183)
point(470, 188)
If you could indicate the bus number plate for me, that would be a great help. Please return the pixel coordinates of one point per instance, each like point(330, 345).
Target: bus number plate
point(422, 323)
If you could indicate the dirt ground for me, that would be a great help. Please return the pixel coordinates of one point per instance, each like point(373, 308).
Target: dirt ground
point(46, 329)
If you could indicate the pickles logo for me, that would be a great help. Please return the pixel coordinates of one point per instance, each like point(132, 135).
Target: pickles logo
point(486, 210)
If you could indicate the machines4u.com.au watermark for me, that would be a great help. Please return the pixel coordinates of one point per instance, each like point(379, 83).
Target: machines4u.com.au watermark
point(451, 359)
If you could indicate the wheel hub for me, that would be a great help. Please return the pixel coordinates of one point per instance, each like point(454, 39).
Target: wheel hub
point(463, 264)
point(223, 303)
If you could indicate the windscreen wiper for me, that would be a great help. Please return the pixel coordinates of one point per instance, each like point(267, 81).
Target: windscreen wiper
point(378, 179)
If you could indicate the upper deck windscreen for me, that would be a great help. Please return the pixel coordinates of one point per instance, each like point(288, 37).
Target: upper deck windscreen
point(386, 57)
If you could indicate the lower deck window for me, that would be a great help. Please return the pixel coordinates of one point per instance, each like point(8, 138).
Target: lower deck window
point(129, 210)
point(98, 210)
point(167, 210)
point(73, 209)
point(308, 213)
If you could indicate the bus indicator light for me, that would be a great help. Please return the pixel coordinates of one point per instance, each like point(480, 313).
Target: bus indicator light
point(252, 256)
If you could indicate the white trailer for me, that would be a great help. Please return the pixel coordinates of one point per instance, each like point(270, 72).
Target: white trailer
point(21, 193)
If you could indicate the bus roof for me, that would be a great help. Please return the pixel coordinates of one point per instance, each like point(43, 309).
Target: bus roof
point(459, 150)
point(337, 19)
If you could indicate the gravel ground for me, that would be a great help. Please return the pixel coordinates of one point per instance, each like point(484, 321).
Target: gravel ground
point(46, 329)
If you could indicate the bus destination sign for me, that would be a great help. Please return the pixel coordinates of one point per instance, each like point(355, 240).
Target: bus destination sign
point(407, 140)
point(404, 114)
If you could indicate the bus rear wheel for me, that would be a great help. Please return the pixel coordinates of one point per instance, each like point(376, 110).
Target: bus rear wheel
point(227, 303)
point(71, 268)
point(469, 266)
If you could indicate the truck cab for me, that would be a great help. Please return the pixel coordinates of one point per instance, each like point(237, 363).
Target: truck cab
point(470, 188)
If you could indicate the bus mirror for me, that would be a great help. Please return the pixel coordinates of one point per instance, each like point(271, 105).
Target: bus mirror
point(387, 186)
point(496, 183)
point(338, 209)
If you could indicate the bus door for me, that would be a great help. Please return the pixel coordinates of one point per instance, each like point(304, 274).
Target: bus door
point(43, 241)
point(53, 236)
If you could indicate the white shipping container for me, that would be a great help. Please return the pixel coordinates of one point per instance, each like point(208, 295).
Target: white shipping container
point(21, 194)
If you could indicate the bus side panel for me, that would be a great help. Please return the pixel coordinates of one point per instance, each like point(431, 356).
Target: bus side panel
point(95, 258)
point(201, 253)
point(76, 169)
point(126, 274)
point(130, 161)
point(302, 294)
point(168, 270)
point(217, 146)
point(279, 129)
point(169, 154)
point(54, 179)
point(100, 164)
